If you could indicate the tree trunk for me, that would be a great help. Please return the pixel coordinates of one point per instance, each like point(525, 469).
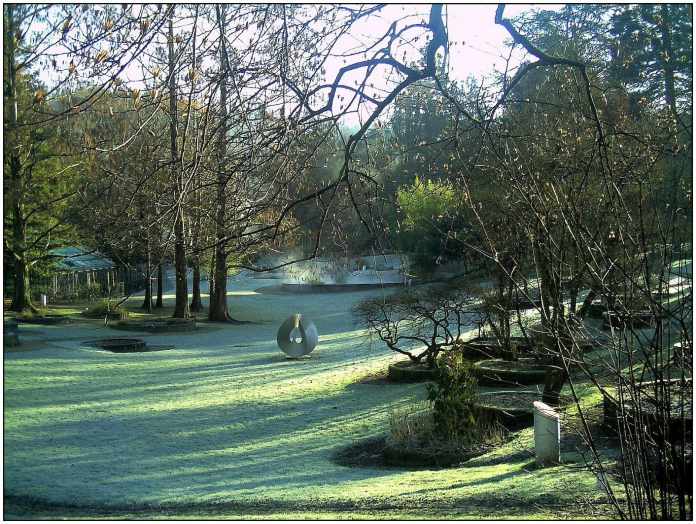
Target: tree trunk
point(582, 312)
point(22, 298)
point(22, 290)
point(574, 290)
point(160, 285)
point(555, 378)
point(147, 303)
point(430, 358)
point(666, 59)
point(211, 279)
point(196, 303)
point(218, 296)
point(218, 299)
point(181, 307)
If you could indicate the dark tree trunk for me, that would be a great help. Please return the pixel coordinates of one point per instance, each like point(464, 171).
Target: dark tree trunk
point(582, 313)
point(573, 299)
point(555, 378)
point(196, 303)
point(160, 285)
point(218, 296)
point(21, 299)
point(181, 306)
point(211, 279)
point(431, 358)
point(147, 303)
point(666, 59)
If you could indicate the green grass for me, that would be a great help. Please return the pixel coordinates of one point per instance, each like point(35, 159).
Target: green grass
point(224, 426)
point(19, 510)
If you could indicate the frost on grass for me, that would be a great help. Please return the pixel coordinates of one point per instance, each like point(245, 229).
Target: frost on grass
point(226, 417)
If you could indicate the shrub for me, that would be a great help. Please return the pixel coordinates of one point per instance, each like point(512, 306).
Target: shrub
point(453, 396)
point(415, 438)
point(448, 425)
point(28, 314)
point(411, 427)
point(427, 208)
point(106, 308)
point(418, 323)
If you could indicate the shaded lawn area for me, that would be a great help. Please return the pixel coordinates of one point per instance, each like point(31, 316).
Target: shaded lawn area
point(224, 426)
point(17, 509)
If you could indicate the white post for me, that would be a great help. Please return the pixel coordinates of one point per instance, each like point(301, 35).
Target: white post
point(44, 300)
point(547, 434)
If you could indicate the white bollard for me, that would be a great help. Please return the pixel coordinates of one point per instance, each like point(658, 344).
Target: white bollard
point(44, 300)
point(547, 434)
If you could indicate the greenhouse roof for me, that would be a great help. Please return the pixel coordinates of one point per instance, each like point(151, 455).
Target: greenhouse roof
point(80, 259)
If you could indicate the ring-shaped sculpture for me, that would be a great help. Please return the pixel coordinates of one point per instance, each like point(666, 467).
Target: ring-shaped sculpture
point(297, 336)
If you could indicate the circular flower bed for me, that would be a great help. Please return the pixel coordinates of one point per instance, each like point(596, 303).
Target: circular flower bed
point(122, 345)
point(511, 408)
point(126, 345)
point(498, 372)
point(43, 319)
point(637, 319)
point(395, 456)
point(158, 325)
point(650, 404)
point(546, 343)
point(523, 302)
point(485, 348)
point(379, 452)
point(409, 371)
point(415, 439)
point(596, 309)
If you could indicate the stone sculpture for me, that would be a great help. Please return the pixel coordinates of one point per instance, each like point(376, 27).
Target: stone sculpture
point(297, 336)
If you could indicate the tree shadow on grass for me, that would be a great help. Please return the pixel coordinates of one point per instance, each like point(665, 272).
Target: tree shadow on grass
point(209, 421)
point(196, 452)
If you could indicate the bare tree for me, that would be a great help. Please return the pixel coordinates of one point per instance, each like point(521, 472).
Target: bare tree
point(583, 177)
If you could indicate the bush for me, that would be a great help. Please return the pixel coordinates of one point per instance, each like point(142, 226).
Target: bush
point(28, 314)
point(414, 439)
point(409, 371)
point(106, 308)
point(428, 208)
point(453, 396)
point(421, 323)
point(449, 428)
point(411, 427)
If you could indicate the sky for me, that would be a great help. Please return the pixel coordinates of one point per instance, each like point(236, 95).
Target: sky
point(478, 46)
point(483, 47)
point(478, 43)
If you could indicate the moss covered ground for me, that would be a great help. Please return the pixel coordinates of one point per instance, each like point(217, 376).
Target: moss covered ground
point(224, 426)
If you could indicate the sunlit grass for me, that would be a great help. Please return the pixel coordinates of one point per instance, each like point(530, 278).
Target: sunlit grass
point(225, 417)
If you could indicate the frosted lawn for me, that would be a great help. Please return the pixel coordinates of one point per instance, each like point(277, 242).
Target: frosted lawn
point(225, 417)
